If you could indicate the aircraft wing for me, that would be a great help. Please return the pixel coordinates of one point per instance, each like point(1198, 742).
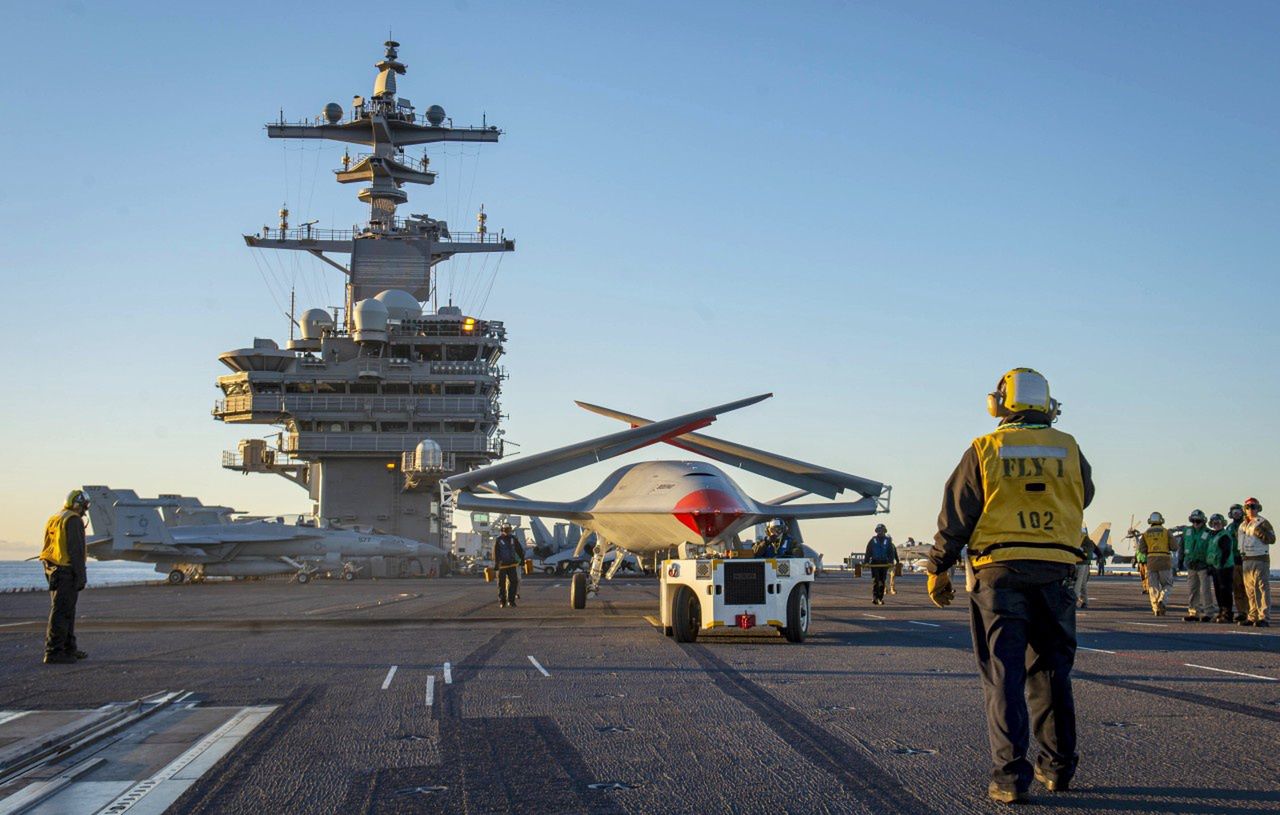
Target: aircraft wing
point(520, 472)
point(521, 506)
point(808, 477)
point(840, 509)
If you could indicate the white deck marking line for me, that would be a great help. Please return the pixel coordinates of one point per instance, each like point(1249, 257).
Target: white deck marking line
point(1153, 625)
point(448, 674)
point(874, 616)
point(386, 683)
point(931, 625)
point(10, 715)
point(1098, 650)
point(217, 743)
point(537, 665)
point(431, 690)
point(11, 625)
point(1236, 673)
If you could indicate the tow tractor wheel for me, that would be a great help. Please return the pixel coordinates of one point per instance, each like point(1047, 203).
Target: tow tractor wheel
point(797, 615)
point(686, 615)
point(303, 578)
point(348, 575)
point(176, 576)
point(578, 591)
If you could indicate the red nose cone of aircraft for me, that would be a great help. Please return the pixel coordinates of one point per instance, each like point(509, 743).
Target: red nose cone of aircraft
point(708, 512)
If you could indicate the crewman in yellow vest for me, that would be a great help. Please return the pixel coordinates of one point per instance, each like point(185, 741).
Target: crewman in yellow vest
point(1017, 501)
point(1156, 544)
point(63, 559)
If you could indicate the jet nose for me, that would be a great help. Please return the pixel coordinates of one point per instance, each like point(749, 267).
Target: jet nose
point(708, 512)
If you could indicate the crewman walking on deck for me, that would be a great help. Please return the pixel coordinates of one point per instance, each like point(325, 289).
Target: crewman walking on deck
point(1221, 557)
point(1201, 605)
point(881, 556)
point(508, 558)
point(1155, 544)
point(1236, 515)
point(1017, 500)
point(1256, 539)
point(63, 557)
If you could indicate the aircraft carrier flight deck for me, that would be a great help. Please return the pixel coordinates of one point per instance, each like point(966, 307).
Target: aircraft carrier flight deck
point(425, 696)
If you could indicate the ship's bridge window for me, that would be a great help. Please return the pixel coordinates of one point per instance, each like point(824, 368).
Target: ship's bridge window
point(460, 353)
point(467, 389)
point(364, 387)
point(303, 426)
point(299, 387)
point(427, 388)
point(331, 387)
point(363, 427)
point(395, 427)
point(395, 388)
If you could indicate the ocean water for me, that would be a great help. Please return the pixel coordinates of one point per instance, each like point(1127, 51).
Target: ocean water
point(18, 574)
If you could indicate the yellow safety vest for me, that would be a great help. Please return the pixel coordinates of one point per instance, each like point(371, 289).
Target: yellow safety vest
point(55, 540)
point(1034, 497)
point(1157, 540)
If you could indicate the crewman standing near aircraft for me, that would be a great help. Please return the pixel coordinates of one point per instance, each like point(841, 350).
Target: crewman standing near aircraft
point(1236, 514)
point(1017, 500)
point(1201, 606)
point(508, 557)
point(881, 556)
point(1256, 539)
point(64, 567)
point(1156, 545)
point(776, 542)
point(1082, 571)
point(1221, 558)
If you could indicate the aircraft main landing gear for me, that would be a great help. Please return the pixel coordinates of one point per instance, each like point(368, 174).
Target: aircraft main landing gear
point(176, 577)
point(303, 578)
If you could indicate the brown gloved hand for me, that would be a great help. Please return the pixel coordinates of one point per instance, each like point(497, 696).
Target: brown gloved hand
point(940, 589)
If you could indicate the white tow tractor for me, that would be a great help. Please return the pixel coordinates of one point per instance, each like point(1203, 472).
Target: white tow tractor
point(699, 594)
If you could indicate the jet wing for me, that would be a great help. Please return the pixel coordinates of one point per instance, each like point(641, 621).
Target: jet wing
point(520, 472)
point(808, 477)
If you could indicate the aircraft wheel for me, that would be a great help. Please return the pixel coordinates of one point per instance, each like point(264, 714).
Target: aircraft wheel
point(348, 575)
point(175, 577)
point(686, 615)
point(797, 615)
point(548, 570)
point(303, 578)
point(578, 591)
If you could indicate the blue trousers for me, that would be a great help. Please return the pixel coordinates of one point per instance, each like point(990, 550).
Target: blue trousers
point(1024, 637)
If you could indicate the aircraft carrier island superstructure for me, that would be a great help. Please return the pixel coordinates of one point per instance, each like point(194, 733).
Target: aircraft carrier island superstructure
point(377, 399)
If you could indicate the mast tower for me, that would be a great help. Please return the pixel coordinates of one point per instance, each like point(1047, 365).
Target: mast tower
point(379, 401)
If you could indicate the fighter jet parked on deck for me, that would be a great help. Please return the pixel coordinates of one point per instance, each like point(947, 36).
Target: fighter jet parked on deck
point(191, 541)
point(654, 506)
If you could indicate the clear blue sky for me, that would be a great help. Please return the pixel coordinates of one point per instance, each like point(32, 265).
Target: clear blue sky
point(871, 210)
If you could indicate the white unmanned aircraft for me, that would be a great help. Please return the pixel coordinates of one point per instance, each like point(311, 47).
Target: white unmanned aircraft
point(654, 506)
